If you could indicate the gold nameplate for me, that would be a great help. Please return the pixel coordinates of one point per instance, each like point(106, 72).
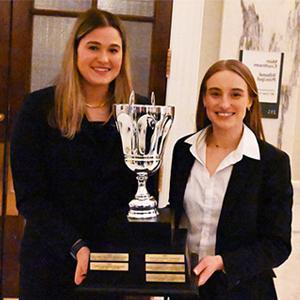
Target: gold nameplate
point(109, 256)
point(108, 266)
point(165, 268)
point(172, 258)
point(163, 277)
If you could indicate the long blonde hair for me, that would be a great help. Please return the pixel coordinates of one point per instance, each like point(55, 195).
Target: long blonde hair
point(253, 116)
point(69, 100)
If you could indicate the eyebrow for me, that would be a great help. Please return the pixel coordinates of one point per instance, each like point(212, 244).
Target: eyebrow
point(97, 43)
point(219, 89)
point(238, 90)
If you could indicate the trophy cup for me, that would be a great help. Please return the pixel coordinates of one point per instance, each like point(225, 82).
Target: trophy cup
point(143, 130)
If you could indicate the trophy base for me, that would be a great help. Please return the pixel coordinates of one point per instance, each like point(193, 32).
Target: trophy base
point(141, 259)
point(149, 215)
point(143, 209)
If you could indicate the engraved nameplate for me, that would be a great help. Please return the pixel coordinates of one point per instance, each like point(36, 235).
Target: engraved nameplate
point(109, 256)
point(165, 267)
point(108, 266)
point(171, 258)
point(163, 277)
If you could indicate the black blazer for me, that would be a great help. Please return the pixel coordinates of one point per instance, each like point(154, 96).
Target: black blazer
point(254, 229)
point(65, 189)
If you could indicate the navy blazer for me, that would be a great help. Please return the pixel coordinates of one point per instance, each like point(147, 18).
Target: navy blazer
point(254, 229)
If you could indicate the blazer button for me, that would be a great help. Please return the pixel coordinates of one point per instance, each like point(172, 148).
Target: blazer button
point(237, 282)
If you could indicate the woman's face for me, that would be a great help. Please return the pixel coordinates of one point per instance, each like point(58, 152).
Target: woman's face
point(99, 56)
point(226, 100)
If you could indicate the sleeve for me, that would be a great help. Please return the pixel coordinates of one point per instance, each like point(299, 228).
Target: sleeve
point(31, 183)
point(272, 245)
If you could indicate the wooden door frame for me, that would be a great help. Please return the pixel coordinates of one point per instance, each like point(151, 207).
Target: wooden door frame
point(19, 82)
point(5, 13)
point(15, 66)
point(161, 37)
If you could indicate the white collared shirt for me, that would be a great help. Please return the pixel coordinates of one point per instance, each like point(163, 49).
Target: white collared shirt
point(204, 193)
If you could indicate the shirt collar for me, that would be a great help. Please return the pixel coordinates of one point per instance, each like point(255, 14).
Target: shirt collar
point(248, 145)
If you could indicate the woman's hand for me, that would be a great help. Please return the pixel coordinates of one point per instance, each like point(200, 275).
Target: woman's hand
point(82, 257)
point(207, 266)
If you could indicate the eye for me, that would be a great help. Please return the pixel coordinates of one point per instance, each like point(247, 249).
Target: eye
point(114, 50)
point(236, 95)
point(214, 94)
point(93, 47)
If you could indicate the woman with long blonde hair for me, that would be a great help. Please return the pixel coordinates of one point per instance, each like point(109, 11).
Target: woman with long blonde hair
point(71, 94)
point(67, 162)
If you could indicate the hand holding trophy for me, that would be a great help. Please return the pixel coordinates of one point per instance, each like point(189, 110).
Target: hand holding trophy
point(143, 130)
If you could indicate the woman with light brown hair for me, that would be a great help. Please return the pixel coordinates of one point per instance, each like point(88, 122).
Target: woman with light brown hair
point(70, 93)
point(67, 161)
point(253, 115)
point(234, 189)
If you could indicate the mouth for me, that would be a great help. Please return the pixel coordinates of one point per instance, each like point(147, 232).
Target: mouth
point(225, 114)
point(101, 69)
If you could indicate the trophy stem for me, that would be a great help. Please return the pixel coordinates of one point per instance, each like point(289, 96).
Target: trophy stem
point(142, 192)
point(144, 205)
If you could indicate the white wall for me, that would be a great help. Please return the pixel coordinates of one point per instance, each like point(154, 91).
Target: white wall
point(211, 35)
point(182, 86)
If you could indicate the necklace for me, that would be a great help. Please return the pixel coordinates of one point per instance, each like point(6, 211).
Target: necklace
point(93, 106)
point(211, 142)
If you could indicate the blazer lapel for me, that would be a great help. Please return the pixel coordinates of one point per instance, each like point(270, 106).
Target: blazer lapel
point(188, 161)
point(241, 173)
point(184, 163)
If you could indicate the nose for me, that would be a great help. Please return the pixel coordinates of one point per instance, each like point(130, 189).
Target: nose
point(225, 102)
point(103, 57)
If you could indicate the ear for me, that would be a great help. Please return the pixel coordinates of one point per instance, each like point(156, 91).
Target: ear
point(249, 105)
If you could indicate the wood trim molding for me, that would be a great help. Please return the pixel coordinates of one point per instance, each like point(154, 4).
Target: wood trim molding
point(5, 16)
point(14, 226)
point(161, 40)
point(5, 13)
point(20, 59)
point(54, 13)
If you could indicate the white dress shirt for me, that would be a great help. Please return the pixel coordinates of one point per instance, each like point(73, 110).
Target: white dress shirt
point(204, 193)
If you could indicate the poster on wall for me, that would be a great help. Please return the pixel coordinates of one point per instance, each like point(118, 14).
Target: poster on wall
point(266, 68)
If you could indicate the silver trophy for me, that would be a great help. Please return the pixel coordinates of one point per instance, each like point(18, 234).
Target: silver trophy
point(143, 130)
